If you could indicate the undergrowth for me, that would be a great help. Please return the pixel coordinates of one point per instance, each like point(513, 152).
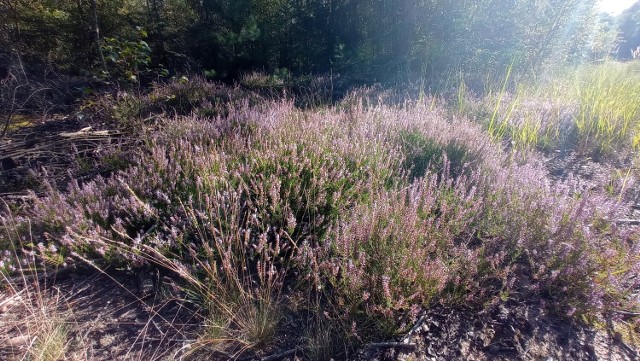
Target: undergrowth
point(374, 211)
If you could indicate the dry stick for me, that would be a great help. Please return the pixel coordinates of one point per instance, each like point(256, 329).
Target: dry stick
point(410, 346)
point(42, 277)
point(96, 30)
point(12, 298)
point(628, 348)
point(161, 263)
point(628, 222)
point(17, 149)
point(627, 313)
point(12, 110)
point(165, 337)
point(18, 40)
point(415, 327)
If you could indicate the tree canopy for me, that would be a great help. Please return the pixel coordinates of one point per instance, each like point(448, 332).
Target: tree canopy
point(368, 40)
point(629, 27)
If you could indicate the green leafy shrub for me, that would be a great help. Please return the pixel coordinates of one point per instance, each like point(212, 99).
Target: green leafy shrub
point(128, 58)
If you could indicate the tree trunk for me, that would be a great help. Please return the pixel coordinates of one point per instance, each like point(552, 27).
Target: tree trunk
point(329, 37)
point(96, 29)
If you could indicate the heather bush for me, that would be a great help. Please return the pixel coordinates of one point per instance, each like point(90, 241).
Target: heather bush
point(233, 264)
point(477, 240)
point(398, 253)
point(174, 169)
point(372, 210)
point(133, 109)
point(182, 96)
point(260, 80)
point(554, 248)
point(423, 153)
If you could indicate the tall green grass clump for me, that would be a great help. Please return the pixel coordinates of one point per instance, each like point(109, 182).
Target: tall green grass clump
point(592, 108)
point(609, 113)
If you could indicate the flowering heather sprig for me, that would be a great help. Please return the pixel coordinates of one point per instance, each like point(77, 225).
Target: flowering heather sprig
point(399, 250)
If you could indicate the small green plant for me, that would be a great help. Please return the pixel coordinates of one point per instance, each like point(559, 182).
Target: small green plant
point(495, 127)
point(210, 74)
point(128, 58)
point(462, 95)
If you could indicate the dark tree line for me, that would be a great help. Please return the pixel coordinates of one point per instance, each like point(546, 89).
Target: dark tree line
point(368, 40)
point(629, 27)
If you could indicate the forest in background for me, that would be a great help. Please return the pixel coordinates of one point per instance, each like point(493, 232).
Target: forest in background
point(364, 41)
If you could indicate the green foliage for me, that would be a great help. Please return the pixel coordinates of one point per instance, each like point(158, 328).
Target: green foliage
point(127, 58)
point(371, 41)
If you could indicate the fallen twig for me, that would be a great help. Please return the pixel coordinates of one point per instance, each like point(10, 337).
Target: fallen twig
point(627, 313)
point(276, 356)
point(628, 348)
point(629, 222)
point(87, 132)
point(410, 346)
point(417, 325)
point(12, 298)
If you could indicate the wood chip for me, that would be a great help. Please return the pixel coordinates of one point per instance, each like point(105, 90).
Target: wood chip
point(19, 341)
